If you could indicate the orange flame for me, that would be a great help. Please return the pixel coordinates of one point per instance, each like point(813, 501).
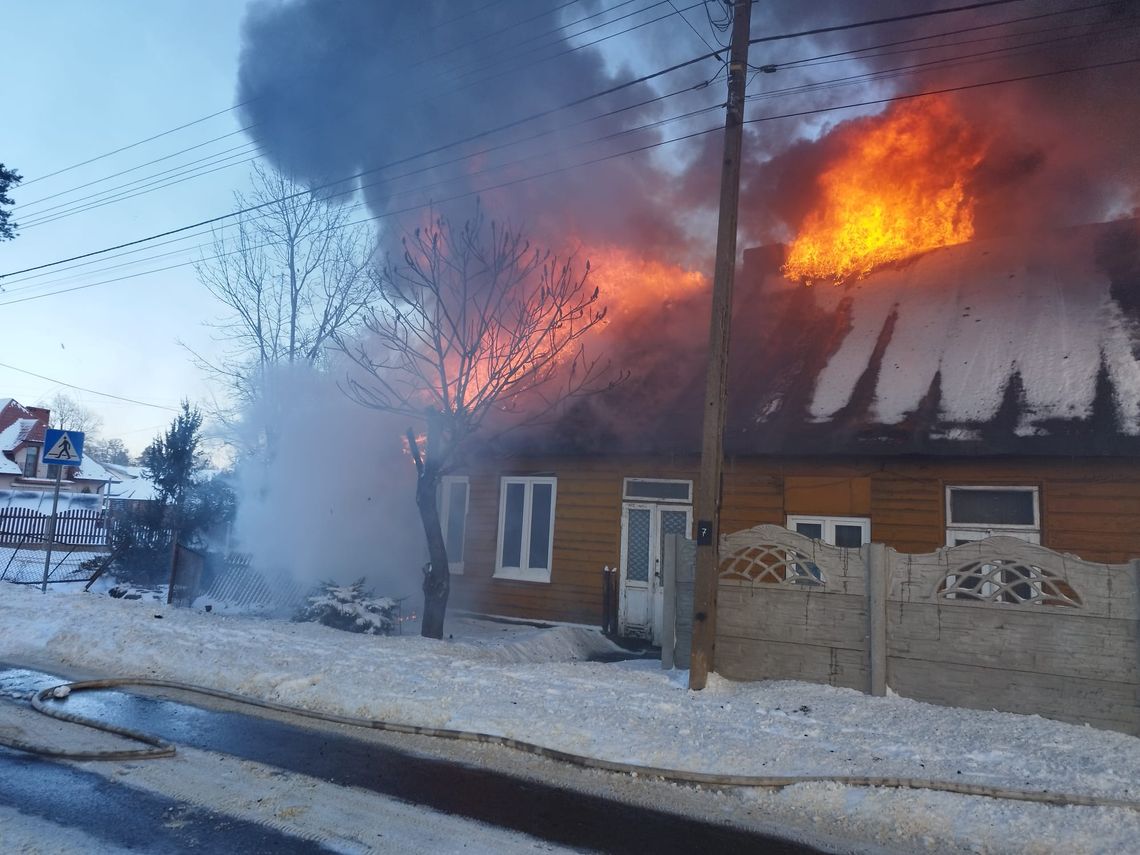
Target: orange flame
point(630, 283)
point(899, 188)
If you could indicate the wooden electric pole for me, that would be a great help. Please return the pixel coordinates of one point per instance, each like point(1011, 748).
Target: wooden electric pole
point(716, 384)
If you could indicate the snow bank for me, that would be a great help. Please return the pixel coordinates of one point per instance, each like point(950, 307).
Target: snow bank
point(533, 685)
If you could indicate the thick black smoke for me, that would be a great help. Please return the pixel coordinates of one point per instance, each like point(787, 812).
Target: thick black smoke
point(339, 86)
point(335, 87)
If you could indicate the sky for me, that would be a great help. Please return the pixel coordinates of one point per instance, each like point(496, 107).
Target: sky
point(108, 76)
point(84, 79)
point(519, 682)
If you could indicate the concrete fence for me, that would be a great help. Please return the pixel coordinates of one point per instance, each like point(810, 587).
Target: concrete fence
point(996, 624)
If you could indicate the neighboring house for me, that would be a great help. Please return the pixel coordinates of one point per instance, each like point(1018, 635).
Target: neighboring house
point(982, 389)
point(27, 483)
point(131, 484)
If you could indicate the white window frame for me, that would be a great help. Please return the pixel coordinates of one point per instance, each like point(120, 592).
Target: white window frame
point(829, 523)
point(445, 484)
point(628, 497)
point(525, 573)
point(975, 531)
point(31, 456)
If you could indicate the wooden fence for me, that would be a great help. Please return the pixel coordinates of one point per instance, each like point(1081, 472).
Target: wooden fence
point(72, 528)
point(996, 624)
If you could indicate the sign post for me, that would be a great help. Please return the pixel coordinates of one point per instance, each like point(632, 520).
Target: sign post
point(61, 448)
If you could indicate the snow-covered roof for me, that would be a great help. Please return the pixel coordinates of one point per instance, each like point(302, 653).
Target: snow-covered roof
point(15, 433)
point(1024, 345)
point(92, 470)
point(975, 316)
point(131, 483)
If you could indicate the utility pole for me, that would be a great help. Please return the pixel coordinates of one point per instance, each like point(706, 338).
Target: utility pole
point(716, 383)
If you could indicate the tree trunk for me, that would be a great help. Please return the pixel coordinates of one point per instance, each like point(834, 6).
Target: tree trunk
point(437, 578)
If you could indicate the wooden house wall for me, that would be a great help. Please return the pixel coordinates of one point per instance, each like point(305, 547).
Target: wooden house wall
point(1088, 508)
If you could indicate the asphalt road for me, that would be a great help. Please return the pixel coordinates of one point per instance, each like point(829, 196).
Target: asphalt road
point(79, 798)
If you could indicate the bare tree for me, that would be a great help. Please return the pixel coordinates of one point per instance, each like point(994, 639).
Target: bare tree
point(294, 276)
point(472, 320)
point(69, 414)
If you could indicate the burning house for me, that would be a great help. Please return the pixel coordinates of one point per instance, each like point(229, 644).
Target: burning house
point(970, 391)
point(936, 338)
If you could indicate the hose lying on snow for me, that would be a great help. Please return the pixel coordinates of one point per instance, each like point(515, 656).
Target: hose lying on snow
point(41, 702)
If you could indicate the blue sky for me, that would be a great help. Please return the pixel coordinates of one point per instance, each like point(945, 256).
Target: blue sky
point(83, 79)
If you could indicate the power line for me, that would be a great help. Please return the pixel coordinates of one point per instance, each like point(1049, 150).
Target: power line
point(137, 144)
point(504, 145)
point(140, 186)
point(389, 179)
point(515, 123)
point(847, 55)
point(359, 174)
point(248, 148)
point(85, 389)
point(894, 19)
point(955, 61)
point(24, 205)
point(221, 112)
point(41, 220)
point(639, 149)
point(946, 90)
point(697, 32)
point(543, 155)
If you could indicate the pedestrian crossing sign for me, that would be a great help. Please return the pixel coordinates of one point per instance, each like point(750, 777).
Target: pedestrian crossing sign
point(63, 447)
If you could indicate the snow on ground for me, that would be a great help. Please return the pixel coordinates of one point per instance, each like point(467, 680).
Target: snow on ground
point(535, 685)
point(27, 565)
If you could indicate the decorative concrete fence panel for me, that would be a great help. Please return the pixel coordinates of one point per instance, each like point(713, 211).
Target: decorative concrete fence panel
point(996, 624)
point(1004, 624)
point(791, 608)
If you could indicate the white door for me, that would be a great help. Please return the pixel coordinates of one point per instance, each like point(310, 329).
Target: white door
point(643, 531)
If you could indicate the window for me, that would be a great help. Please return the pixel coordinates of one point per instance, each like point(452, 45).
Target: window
point(526, 528)
point(838, 531)
point(31, 458)
point(453, 493)
point(975, 513)
point(657, 490)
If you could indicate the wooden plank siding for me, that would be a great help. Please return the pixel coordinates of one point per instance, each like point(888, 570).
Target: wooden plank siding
point(1088, 508)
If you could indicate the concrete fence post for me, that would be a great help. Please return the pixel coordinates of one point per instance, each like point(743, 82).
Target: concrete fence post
point(878, 578)
point(669, 582)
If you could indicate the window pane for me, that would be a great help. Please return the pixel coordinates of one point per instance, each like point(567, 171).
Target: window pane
point(512, 525)
point(677, 491)
point(848, 535)
point(456, 508)
point(540, 527)
point(810, 529)
point(993, 507)
point(637, 545)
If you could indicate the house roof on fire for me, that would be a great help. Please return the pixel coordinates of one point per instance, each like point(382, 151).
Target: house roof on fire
point(1002, 346)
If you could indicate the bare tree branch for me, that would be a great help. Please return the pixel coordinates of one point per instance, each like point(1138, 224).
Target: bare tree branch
point(293, 277)
point(470, 321)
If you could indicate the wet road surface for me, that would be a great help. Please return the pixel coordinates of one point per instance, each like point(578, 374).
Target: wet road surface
point(557, 815)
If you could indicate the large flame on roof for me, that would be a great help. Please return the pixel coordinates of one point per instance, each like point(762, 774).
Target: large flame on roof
point(631, 283)
point(899, 187)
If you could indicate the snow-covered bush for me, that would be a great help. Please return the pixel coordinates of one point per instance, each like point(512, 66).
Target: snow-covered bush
point(349, 607)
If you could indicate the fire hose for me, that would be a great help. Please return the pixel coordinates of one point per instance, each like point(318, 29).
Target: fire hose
point(45, 702)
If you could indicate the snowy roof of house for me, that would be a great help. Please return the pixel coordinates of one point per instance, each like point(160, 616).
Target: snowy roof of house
point(1003, 346)
point(16, 433)
point(131, 483)
point(91, 470)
